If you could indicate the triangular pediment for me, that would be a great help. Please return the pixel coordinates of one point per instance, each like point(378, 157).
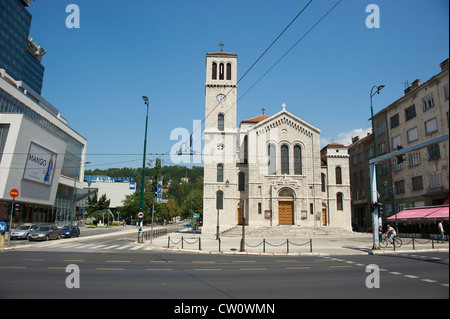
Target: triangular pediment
point(284, 118)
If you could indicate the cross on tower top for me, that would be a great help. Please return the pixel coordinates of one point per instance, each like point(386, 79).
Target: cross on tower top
point(263, 110)
point(221, 46)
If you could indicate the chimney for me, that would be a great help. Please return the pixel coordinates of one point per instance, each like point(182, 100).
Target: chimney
point(355, 139)
point(413, 86)
point(444, 65)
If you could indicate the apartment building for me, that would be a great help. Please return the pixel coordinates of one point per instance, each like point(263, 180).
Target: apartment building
point(420, 177)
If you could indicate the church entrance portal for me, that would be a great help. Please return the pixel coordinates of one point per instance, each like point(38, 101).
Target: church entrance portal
point(286, 206)
point(286, 212)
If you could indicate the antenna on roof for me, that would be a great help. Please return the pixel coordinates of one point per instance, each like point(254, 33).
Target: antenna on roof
point(406, 84)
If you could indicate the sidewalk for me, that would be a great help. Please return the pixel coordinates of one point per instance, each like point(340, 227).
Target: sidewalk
point(324, 244)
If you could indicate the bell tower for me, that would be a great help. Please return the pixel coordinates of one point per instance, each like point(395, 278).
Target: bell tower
point(220, 172)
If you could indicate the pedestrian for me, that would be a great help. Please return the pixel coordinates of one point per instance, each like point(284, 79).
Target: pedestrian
point(441, 230)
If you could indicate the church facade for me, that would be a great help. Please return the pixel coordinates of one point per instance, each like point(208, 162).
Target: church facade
point(270, 171)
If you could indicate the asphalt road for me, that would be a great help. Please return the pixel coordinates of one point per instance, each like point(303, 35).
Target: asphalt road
point(124, 273)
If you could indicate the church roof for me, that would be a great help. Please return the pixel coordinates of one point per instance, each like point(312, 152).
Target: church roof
point(256, 119)
point(221, 53)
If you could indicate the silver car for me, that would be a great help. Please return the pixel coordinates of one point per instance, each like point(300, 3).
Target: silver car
point(22, 232)
point(45, 233)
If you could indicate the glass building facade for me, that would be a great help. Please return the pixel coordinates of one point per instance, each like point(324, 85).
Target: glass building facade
point(16, 45)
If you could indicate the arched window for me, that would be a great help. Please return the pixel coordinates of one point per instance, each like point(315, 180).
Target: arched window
point(323, 182)
point(245, 149)
point(284, 159)
point(221, 71)
point(220, 122)
point(228, 71)
point(272, 156)
point(297, 160)
point(219, 200)
point(338, 176)
point(241, 186)
point(214, 71)
point(220, 173)
point(339, 201)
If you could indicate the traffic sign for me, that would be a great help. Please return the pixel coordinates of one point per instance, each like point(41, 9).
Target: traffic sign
point(140, 215)
point(3, 227)
point(14, 193)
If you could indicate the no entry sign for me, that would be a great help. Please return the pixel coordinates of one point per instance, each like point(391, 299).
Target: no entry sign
point(14, 193)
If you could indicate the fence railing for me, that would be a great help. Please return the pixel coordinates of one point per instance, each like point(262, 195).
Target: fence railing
point(156, 233)
point(287, 245)
point(182, 241)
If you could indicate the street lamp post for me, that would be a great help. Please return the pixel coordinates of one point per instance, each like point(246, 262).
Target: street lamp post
point(377, 231)
point(141, 207)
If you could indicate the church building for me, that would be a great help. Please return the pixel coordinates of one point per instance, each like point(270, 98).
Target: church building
point(269, 171)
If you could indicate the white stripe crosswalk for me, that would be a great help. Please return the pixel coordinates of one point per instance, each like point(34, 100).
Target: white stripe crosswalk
point(98, 246)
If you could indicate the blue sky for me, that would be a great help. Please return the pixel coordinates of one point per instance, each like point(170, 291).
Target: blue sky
point(97, 74)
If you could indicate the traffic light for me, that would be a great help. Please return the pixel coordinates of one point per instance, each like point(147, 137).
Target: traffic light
point(400, 159)
point(380, 209)
point(373, 205)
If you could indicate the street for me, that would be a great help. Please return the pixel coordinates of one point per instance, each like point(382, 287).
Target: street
point(117, 267)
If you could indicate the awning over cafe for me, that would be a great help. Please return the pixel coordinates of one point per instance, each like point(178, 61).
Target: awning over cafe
point(421, 214)
point(441, 214)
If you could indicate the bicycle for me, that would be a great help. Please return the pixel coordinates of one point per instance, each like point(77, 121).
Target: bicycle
point(398, 242)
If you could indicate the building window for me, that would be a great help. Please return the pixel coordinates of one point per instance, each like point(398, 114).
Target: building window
point(396, 142)
point(400, 187)
point(220, 122)
point(228, 71)
point(4, 128)
point(446, 92)
point(410, 112)
point(382, 148)
point(428, 103)
point(436, 179)
point(339, 201)
point(370, 154)
point(395, 121)
point(397, 166)
point(434, 152)
point(297, 160)
point(284, 159)
point(221, 71)
point(338, 175)
point(431, 126)
point(220, 173)
point(272, 156)
point(383, 168)
point(259, 208)
point(219, 200)
point(214, 71)
point(417, 183)
point(413, 135)
point(414, 159)
point(241, 186)
point(380, 129)
point(323, 176)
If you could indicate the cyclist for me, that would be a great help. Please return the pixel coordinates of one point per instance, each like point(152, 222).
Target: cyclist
point(390, 233)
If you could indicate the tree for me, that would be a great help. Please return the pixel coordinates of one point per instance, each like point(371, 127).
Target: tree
point(95, 204)
point(197, 204)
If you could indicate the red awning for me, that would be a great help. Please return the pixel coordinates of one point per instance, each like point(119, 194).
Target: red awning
point(440, 214)
point(419, 214)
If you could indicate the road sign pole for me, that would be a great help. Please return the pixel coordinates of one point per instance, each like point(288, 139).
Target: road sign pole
point(10, 221)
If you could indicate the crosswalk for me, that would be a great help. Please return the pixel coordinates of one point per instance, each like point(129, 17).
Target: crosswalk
point(97, 246)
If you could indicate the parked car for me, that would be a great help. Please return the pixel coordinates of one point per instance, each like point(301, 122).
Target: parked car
point(70, 231)
point(22, 231)
point(45, 233)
